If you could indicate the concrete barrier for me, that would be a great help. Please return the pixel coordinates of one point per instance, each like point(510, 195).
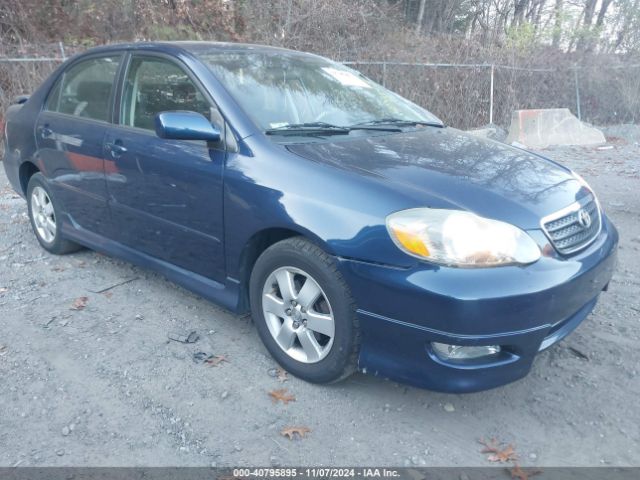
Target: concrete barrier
point(554, 126)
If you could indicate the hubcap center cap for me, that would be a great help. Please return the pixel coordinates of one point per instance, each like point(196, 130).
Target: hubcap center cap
point(296, 315)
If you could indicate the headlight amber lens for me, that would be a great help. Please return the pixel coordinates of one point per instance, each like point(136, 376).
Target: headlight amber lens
point(410, 240)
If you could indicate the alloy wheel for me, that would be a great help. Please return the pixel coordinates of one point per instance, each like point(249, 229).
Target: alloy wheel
point(298, 314)
point(44, 217)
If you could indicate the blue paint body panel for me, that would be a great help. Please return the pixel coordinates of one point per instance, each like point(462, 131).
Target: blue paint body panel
point(192, 210)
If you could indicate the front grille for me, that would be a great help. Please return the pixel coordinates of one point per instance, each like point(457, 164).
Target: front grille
point(569, 229)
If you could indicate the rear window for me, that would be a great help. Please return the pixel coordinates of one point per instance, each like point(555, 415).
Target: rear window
point(85, 89)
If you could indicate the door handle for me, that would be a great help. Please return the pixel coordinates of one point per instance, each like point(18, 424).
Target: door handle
point(116, 149)
point(46, 132)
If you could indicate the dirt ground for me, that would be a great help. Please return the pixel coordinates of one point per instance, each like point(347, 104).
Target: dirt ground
point(103, 386)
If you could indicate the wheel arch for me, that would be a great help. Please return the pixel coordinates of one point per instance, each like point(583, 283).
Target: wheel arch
point(26, 171)
point(256, 245)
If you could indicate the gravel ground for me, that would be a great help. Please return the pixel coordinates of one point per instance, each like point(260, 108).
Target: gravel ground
point(103, 386)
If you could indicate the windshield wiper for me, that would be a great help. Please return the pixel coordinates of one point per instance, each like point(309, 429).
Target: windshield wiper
point(309, 128)
point(399, 122)
point(324, 128)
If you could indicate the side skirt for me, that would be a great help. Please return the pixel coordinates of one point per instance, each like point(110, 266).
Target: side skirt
point(225, 295)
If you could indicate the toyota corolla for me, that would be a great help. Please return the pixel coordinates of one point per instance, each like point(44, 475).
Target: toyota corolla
point(360, 231)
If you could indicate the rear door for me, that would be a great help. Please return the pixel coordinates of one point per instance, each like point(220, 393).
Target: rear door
point(70, 133)
point(165, 196)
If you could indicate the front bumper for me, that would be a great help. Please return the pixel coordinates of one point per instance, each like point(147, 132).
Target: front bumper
point(522, 309)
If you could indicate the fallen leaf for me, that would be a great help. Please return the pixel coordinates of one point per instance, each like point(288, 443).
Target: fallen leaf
point(81, 264)
point(3, 350)
point(498, 454)
point(508, 454)
point(281, 375)
point(282, 396)
point(520, 474)
point(108, 294)
point(216, 360)
point(57, 269)
point(79, 303)
point(291, 432)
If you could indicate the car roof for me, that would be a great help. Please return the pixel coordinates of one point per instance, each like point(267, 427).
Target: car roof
point(198, 47)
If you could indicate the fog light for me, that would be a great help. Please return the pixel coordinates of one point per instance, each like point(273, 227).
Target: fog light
point(459, 352)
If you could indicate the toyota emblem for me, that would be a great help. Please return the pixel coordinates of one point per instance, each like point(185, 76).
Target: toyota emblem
point(584, 218)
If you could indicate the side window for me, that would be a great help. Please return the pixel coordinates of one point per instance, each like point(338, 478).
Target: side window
point(53, 100)
point(84, 90)
point(154, 85)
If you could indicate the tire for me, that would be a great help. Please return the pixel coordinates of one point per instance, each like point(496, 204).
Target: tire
point(44, 213)
point(295, 261)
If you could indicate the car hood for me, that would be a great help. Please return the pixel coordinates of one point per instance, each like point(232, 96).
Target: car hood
point(447, 168)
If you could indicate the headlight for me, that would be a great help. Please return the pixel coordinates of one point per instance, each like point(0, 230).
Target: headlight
point(459, 238)
point(584, 183)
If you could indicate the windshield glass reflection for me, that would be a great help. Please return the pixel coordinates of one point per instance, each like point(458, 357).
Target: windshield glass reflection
point(285, 89)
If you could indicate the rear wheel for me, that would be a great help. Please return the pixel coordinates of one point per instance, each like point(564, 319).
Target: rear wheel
point(304, 312)
point(43, 213)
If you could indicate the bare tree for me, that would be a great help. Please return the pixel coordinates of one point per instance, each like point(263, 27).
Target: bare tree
point(420, 16)
point(630, 12)
point(557, 26)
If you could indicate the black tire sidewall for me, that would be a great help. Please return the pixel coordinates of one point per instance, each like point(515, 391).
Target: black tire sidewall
point(314, 262)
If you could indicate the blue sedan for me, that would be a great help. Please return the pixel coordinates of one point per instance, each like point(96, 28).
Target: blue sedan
point(359, 231)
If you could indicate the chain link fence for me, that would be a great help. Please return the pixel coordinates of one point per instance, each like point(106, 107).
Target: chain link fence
point(463, 95)
point(472, 95)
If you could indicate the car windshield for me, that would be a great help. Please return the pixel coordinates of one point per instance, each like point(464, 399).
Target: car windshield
point(284, 91)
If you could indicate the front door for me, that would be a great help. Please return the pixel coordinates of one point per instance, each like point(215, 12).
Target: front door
point(165, 196)
point(70, 132)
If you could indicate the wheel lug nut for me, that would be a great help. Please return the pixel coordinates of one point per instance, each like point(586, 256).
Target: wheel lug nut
point(296, 324)
point(288, 311)
point(294, 303)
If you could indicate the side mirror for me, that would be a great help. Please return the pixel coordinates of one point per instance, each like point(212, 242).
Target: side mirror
point(20, 99)
point(185, 126)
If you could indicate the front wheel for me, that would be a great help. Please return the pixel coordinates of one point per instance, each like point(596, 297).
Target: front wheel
point(304, 312)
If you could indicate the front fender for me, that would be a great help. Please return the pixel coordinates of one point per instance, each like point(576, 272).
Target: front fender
point(341, 211)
